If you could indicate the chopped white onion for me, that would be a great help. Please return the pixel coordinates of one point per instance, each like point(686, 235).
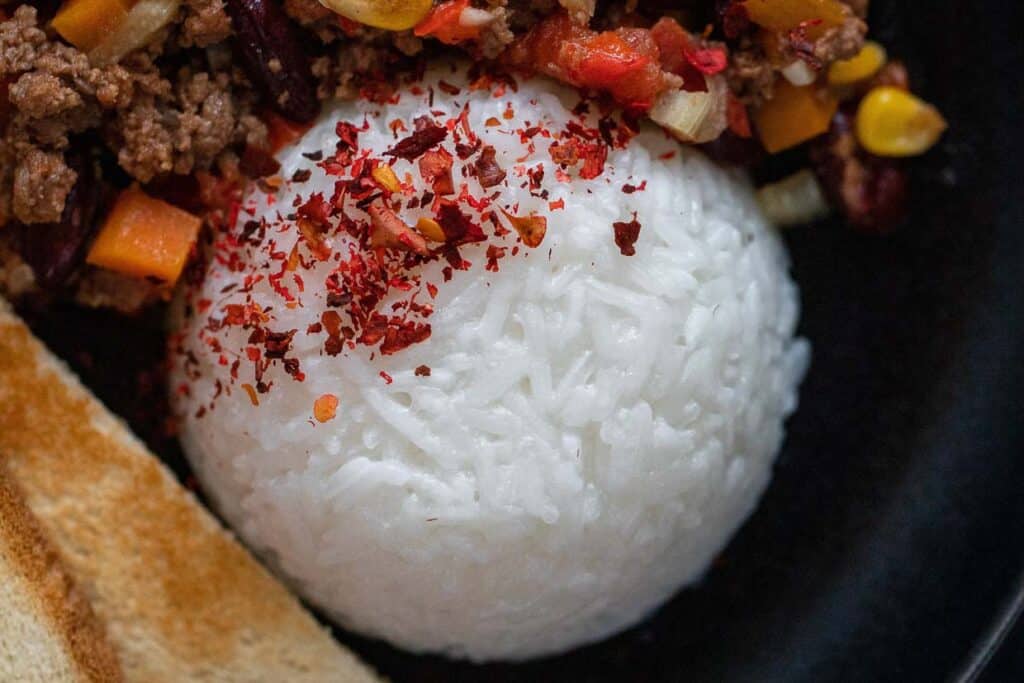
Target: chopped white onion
point(795, 199)
point(139, 28)
point(693, 116)
point(471, 16)
point(799, 73)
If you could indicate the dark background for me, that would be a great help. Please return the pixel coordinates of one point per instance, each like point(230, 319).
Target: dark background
point(893, 532)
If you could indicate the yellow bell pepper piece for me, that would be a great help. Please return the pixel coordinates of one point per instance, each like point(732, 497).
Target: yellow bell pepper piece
point(794, 115)
point(391, 15)
point(786, 15)
point(893, 123)
point(87, 23)
point(860, 67)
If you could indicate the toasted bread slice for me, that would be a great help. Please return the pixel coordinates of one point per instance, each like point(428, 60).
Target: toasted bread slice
point(48, 633)
point(179, 598)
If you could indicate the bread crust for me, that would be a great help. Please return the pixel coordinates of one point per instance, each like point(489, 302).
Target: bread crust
point(27, 551)
point(180, 598)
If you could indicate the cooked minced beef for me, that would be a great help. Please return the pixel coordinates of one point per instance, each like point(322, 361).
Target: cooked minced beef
point(752, 74)
point(184, 104)
point(205, 23)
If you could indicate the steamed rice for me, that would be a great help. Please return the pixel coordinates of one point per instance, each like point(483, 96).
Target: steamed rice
point(593, 429)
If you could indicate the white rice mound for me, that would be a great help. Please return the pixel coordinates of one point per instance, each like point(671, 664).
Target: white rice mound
point(594, 429)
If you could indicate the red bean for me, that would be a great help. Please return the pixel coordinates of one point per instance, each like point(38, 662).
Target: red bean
point(55, 250)
point(274, 57)
point(871, 191)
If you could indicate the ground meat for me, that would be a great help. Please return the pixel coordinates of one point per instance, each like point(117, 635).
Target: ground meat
point(859, 7)
point(581, 11)
point(41, 183)
point(177, 134)
point(841, 42)
point(750, 74)
point(497, 35)
point(307, 12)
point(105, 289)
point(205, 23)
point(16, 276)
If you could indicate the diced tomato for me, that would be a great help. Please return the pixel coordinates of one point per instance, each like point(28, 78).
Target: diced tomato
point(443, 24)
point(672, 40)
point(624, 63)
point(679, 50)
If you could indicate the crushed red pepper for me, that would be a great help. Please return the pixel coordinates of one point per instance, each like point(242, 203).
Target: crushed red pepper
point(626, 235)
point(375, 292)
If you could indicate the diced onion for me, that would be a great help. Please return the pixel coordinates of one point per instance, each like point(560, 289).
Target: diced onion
point(693, 116)
point(139, 28)
point(473, 17)
point(799, 73)
point(795, 199)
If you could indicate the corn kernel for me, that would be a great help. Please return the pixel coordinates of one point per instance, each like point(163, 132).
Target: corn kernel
point(391, 15)
point(893, 123)
point(860, 67)
point(430, 229)
point(386, 178)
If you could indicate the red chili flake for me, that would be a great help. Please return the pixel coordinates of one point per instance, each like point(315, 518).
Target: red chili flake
point(325, 408)
point(492, 122)
point(486, 168)
point(707, 60)
point(348, 136)
point(386, 377)
point(426, 136)
point(449, 88)
point(302, 175)
point(531, 228)
point(493, 254)
point(667, 155)
point(556, 205)
point(626, 234)
point(316, 209)
point(402, 334)
point(432, 290)
point(422, 371)
point(630, 189)
point(509, 112)
point(465, 151)
point(278, 343)
point(390, 232)
point(397, 125)
point(436, 169)
point(253, 398)
point(457, 226)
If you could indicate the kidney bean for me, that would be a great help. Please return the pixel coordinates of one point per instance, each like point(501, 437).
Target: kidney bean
point(55, 250)
point(274, 57)
point(871, 191)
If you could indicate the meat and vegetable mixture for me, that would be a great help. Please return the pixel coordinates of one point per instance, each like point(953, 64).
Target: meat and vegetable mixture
point(130, 126)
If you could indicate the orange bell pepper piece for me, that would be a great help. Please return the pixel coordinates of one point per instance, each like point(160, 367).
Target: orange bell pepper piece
point(145, 237)
point(87, 23)
point(786, 15)
point(794, 115)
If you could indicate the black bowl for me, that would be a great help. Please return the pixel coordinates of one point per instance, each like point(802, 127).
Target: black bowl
point(894, 529)
point(892, 537)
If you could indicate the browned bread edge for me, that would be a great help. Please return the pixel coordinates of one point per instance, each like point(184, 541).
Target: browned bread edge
point(181, 600)
point(30, 554)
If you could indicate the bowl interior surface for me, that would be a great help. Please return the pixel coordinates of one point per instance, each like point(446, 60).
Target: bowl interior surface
point(894, 527)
